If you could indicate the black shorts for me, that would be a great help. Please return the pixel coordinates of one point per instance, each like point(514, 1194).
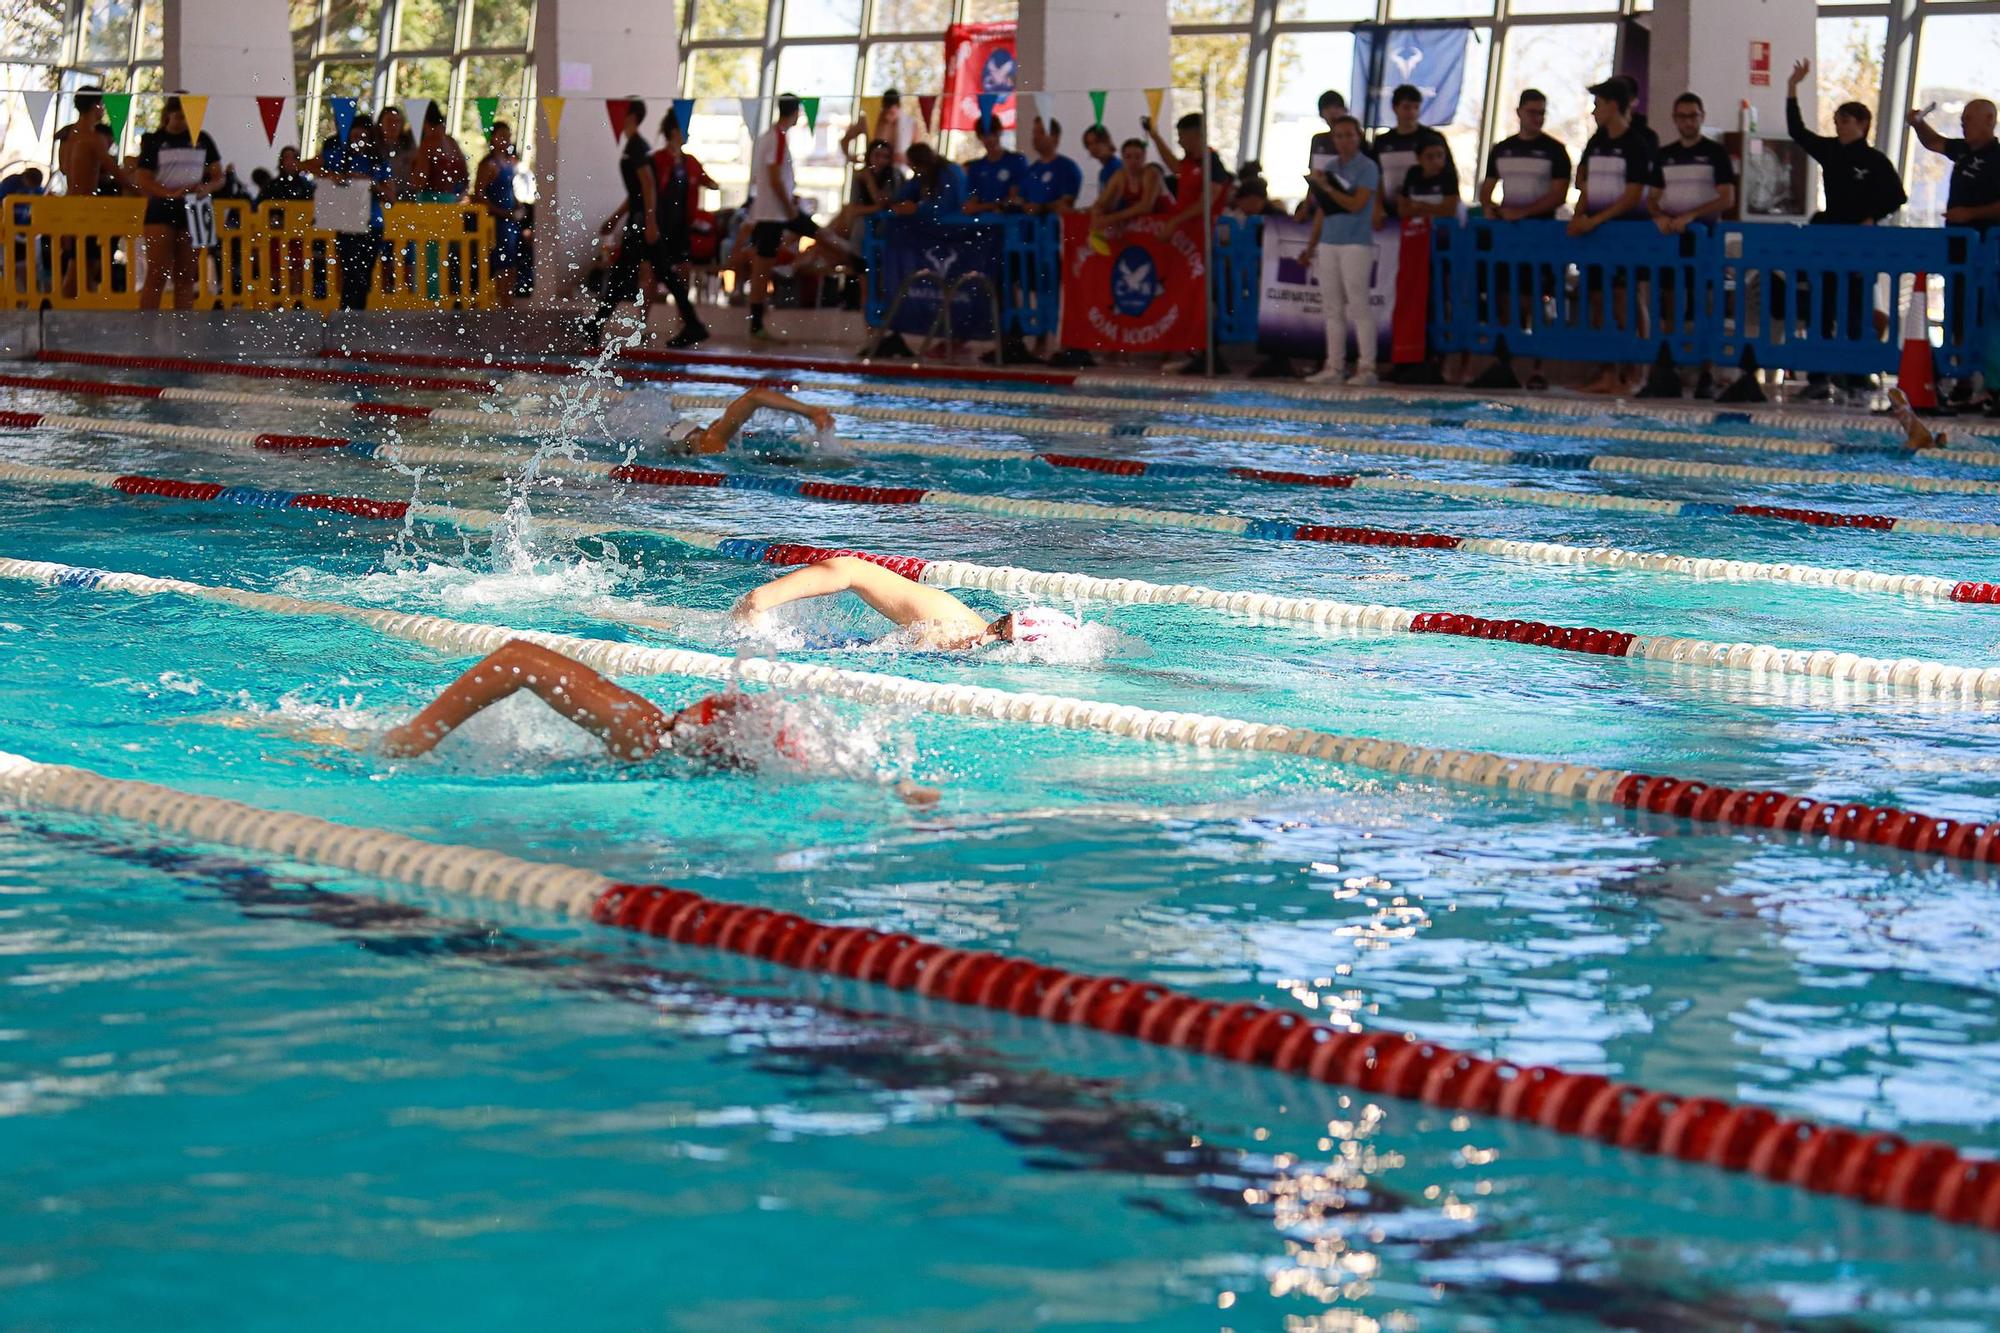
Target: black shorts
point(767, 236)
point(672, 251)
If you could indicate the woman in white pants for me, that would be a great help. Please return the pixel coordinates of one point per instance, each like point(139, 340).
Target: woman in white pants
point(1343, 190)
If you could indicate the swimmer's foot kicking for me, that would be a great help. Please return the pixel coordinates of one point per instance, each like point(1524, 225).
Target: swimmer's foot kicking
point(936, 618)
point(1916, 434)
point(691, 438)
point(632, 727)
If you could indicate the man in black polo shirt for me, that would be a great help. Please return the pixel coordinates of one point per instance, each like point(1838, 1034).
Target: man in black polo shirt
point(1693, 182)
point(1396, 149)
point(1862, 187)
point(1611, 184)
point(1973, 199)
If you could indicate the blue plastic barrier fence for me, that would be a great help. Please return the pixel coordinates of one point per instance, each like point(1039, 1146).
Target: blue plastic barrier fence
point(1237, 278)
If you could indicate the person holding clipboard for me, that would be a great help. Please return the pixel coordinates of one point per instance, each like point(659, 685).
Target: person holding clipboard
point(1345, 186)
point(177, 173)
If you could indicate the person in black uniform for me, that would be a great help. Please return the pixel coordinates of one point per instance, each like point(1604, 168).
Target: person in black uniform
point(1972, 199)
point(1693, 182)
point(1527, 178)
point(1611, 182)
point(1397, 148)
point(640, 240)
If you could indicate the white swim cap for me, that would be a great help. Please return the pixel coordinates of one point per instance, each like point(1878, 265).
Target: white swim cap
point(1034, 623)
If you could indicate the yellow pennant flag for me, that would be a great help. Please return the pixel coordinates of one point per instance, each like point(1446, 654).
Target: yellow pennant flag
point(1153, 97)
point(196, 111)
point(552, 109)
point(871, 111)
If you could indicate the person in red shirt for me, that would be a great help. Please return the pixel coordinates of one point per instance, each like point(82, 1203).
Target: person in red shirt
point(1194, 160)
point(678, 181)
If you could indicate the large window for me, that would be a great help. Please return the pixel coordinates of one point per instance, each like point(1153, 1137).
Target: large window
point(62, 45)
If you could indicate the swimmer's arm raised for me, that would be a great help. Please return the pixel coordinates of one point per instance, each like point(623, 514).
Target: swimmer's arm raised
point(716, 436)
point(631, 726)
point(901, 600)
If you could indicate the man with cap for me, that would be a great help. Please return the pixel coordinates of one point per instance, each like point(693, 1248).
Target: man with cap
point(1611, 186)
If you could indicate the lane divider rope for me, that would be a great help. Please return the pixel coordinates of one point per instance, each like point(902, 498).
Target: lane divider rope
point(184, 365)
point(1878, 1168)
point(1693, 800)
point(360, 407)
point(1900, 675)
point(1926, 586)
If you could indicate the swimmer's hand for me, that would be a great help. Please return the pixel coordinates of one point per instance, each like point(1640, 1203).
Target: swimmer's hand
point(916, 794)
point(821, 418)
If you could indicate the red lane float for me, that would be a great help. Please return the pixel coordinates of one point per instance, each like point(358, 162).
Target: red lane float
point(190, 366)
point(443, 362)
point(970, 374)
point(1880, 1168)
point(1881, 826)
point(1426, 541)
point(1604, 642)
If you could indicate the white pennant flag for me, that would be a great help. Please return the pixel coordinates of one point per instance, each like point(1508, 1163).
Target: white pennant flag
point(413, 116)
point(38, 110)
point(1041, 106)
point(750, 106)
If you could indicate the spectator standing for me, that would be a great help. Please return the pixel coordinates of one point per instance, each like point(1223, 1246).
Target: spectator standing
point(174, 167)
point(1054, 181)
point(493, 188)
point(1097, 143)
point(1194, 161)
point(1862, 187)
point(1973, 197)
point(997, 176)
point(1692, 182)
point(1528, 172)
point(399, 146)
point(891, 126)
point(640, 236)
point(1611, 185)
point(678, 179)
point(1332, 106)
point(86, 157)
point(774, 208)
point(359, 159)
point(1344, 222)
point(438, 173)
point(1396, 149)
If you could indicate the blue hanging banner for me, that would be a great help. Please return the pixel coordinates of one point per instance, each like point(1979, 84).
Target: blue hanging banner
point(1430, 58)
point(343, 116)
point(950, 250)
point(684, 113)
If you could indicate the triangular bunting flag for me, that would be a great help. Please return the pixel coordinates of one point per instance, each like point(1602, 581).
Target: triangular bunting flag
point(684, 115)
point(271, 110)
point(1042, 101)
point(196, 111)
point(810, 105)
point(927, 108)
point(987, 101)
point(489, 111)
point(38, 104)
point(749, 107)
point(1153, 96)
point(871, 111)
point(414, 109)
point(552, 109)
point(1097, 108)
point(117, 106)
point(343, 116)
point(614, 108)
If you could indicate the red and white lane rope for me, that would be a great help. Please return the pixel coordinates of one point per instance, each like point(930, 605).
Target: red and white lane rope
point(1928, 679)
point(1927, 586)
point(187, 365)
point(1877, 1167)
point(1700, 802)
point(490, 420)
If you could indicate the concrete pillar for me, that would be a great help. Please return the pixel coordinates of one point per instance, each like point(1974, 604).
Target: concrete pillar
point(587, 51)
point(1070, 47)
point(234, 51)
point(1707, 47)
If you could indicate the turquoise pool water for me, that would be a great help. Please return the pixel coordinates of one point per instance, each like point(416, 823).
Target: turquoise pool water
point(242, 1093)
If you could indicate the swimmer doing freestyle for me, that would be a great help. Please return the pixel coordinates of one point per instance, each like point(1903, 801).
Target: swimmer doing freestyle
point(634, 728)
point(690, 437)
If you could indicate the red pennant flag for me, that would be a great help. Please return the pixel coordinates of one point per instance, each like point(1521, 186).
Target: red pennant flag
point(269, 110)
point(927, 104)
point(614, 107)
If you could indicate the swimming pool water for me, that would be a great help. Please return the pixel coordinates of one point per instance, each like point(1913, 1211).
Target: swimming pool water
point(239, 1093)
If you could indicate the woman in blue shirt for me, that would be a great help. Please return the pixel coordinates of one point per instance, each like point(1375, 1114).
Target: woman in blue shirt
point(936, 188)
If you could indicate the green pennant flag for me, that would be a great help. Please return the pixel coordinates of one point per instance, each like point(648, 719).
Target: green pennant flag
point(811, 105)
point(1097, 108)
point(489, 108)
point(117, 106)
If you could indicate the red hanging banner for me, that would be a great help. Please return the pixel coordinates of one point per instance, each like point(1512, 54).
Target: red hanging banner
point(269, 110)
point(614, 107)
point(978, 63)
point(1142, 288)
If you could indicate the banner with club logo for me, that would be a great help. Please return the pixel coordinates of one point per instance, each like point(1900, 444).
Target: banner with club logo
point(1142, 287)
point(1290, 320)
point(978, 75)
point(950, 250)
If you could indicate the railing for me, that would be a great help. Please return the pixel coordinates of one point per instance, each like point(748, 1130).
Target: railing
point(1824, 299)
point(89, 254)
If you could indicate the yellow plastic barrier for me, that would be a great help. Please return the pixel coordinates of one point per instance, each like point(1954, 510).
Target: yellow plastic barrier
point(89, 254)
point(435, 256)
point(297, 268)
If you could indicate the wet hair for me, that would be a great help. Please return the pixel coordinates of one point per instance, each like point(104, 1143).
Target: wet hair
point(434, 115)
point(882, 144)
point(1331, 98)
point(1689, 99)
point(891, 98)
point(1191, 121)
point(1405, 92)
point(500, 127)
point(1854, 111)
point(788, 105)
point(89, 99)
point(1532, 95)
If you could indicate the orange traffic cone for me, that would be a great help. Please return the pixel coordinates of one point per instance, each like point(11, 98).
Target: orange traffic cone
point(1917, 376)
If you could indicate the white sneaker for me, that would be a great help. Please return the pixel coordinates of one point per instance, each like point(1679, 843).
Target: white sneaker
point(1361, 379)
point(1331, 375)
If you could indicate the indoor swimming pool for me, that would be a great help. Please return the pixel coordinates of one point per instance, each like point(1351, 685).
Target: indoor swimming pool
point(312, 1083)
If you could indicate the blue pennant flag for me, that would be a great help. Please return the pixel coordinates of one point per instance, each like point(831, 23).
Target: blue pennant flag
point(343, 116)
point(988, 101)
point(684, 113)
